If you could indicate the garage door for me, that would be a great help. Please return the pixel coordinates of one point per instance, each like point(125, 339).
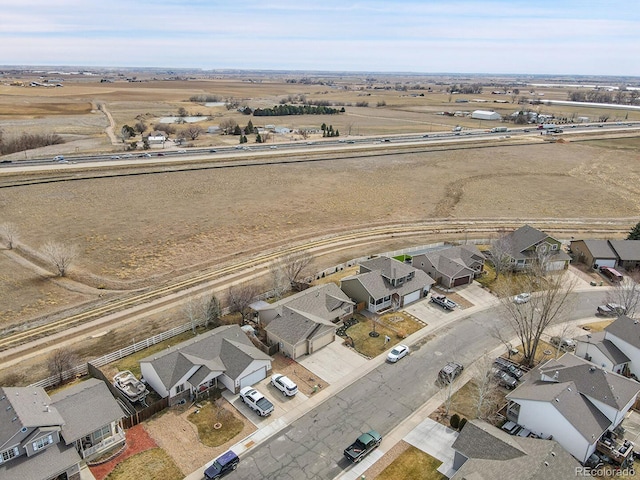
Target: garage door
point(412, 297)
point(605, 263)
point(554, 266)
point(461, 281)
point(253, 378)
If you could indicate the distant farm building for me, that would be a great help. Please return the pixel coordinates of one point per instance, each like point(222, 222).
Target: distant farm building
point(485, 115)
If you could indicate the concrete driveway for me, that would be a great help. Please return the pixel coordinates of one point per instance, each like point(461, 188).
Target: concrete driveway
point(333, 362)
point(435, 439)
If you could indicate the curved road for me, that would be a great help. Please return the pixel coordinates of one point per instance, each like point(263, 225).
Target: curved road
point(311, 447)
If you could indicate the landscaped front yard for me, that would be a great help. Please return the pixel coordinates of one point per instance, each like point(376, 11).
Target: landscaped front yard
point(396, 326)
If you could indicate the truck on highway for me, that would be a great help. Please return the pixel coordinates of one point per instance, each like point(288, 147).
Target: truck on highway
point(547, 126)
point(364, 444)
point(499, 129)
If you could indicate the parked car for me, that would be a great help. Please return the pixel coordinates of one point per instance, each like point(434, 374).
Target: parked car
point(222, 465)
point(510, 368)
point(522, 298)
point(284, 384)
point(564, 343)
point(256, 401)
point(397, 353)
point(450, 371)
point(611, 310)
point(504, 379)
point(363, 445)
point(443, 301)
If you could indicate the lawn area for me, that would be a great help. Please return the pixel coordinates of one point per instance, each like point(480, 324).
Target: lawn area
point(414, 464)
point(154, 463)
point(211, 414)
point(395, 325)
point(596, 326)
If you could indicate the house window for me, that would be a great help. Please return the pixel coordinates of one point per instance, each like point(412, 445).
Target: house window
point(101, 434)
point(378, 301)
point(9, 454)
point(42, 442)
point(386, 299)
point(554, 247)
point(180, 389)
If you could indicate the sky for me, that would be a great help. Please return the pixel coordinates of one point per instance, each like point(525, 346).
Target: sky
point(560, 37)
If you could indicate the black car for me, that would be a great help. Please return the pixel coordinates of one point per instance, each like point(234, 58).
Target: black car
point(449, 372)
point(222, 465)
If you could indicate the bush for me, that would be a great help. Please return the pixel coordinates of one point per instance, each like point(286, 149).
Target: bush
point(455, 421)
point(463, 422)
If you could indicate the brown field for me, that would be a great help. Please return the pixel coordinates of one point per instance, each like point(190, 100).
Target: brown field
point(137, 231)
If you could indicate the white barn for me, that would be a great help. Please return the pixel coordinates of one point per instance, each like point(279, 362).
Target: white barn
point(485, 115)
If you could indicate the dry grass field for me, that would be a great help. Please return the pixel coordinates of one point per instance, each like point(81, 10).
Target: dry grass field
point(134, 231)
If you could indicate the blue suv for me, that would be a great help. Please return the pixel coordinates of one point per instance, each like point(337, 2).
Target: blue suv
point(222, 465)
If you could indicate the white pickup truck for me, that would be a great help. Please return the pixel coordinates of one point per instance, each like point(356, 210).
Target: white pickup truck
point(256, 401)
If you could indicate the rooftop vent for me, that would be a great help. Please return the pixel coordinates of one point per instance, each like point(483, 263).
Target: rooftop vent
point(553, 454)
point(546, 464)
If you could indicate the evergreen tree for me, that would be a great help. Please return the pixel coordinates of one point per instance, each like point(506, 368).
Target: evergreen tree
point(237, 130)
point(258, 139)
point(634, 234)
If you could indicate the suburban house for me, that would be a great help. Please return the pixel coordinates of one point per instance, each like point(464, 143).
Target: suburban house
point(616, 349)
point(597, 348)
point(46, 438)
point(576, 403)
point(527, 245)
point(483, 451)
point(595, 253)
point(384, 283)
point(222, 357)
point(607, 253)
point(305, 322)
point(453, 266)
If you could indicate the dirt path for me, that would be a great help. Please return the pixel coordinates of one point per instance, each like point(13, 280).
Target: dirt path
point(110, 130)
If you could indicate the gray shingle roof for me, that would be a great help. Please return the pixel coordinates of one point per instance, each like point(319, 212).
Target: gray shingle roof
point(626, 249)
point(28, 407)
point(325, 301)
point(626, 329)
point(226, 346)
point(86, 407)
point(523, 238)
point(45, 465)
point(600, 249)
point(294, 326)
point(378, 287)
point(576, 381)
point(388, 267)
point(526, 458)
point(607, 347)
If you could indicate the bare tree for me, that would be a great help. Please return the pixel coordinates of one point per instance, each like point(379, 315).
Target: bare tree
point(295, 264)
point(193, 131)
point(279, 281)
point(195, 310)
point(140, 127)
point(60, 361)
point(484, 387)
point(10, 233)
point(228, 125)
point(240, 297)
point(548, 306)
point(303, 133)
point(500, 252)
point(60, 255)
point(626, 293)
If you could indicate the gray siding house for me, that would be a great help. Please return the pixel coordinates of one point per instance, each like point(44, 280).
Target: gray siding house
point(223, 357)
point(383, 283)
point(453, 266)
point(305, 322)
point(527, 245)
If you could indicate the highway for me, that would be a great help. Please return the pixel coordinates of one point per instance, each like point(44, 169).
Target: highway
point(381, 142)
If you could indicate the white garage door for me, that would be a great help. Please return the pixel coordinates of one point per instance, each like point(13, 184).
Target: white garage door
point(553, 266)
point(412, 297)
point(605, 263)
point(253, 378)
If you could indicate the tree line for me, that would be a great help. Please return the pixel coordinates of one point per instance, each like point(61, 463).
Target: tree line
point(27, 141)
point(621, 96)
point(281, 110)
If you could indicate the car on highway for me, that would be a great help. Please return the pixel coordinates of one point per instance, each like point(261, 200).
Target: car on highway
point(273, 147)
point(144, 155)
point(115, 157)
point(213, 150)
point(57, 158)
point(449, 372)
point(161, 154)
point(522, 298)
point(128, 155)
point(397, 352)
point(225, 463)
point(182, 151)
point(284, 384)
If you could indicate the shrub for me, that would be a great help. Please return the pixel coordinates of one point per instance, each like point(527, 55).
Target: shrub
point(455, 421)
